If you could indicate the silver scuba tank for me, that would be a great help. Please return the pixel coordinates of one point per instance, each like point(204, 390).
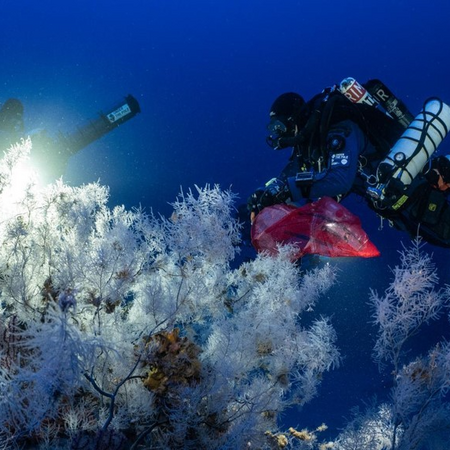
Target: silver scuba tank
point(416, 145)
point(411, 153)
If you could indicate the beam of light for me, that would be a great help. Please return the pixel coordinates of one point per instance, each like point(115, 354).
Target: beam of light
point(24, 180)
point(19, 180)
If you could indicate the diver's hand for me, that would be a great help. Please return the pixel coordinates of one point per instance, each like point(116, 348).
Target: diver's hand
point(255, 202)
point(275, 191)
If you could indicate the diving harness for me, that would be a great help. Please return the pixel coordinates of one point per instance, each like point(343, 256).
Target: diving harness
point(386, 185)
point(389, 186)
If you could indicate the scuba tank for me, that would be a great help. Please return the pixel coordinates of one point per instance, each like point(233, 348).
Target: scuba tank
point(393, 106)
point(376, 93)
point(355, 92)
point(410, 154)
point(360, 95)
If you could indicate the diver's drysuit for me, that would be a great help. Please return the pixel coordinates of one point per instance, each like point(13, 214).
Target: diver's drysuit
point(362, 139)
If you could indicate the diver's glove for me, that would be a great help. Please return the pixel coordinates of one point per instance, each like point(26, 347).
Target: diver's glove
point(275, 191)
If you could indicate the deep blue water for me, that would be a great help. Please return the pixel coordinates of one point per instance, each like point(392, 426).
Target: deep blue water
point(205, 73)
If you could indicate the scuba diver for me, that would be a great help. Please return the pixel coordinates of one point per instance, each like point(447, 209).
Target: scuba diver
point(359, 138)
point(50, 155)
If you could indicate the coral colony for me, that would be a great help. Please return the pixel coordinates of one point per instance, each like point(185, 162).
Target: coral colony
point(123, 330)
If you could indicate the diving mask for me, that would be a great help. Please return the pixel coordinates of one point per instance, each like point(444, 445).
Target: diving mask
point(278, 130)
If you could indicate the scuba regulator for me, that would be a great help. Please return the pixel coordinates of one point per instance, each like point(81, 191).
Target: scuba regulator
point(282, 133)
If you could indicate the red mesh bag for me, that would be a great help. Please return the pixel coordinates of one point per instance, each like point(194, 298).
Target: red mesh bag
point(324, 227)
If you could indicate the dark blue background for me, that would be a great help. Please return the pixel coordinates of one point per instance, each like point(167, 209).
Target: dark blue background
point(205, 73)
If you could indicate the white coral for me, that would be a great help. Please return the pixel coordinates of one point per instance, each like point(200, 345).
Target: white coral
point(84, 286)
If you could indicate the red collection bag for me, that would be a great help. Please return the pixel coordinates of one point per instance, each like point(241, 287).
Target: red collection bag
point(324, 227)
